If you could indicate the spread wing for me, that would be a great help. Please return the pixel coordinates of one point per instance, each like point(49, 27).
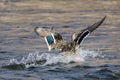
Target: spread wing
point(51, 37)
point(43, 31)
point(79, 37)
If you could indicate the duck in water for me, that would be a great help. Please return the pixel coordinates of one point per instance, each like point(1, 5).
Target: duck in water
point(55, 41)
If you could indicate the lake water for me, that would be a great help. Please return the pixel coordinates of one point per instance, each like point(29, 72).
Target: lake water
point(21, 50)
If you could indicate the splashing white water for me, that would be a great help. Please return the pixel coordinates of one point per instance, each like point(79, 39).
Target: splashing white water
point(52, 58)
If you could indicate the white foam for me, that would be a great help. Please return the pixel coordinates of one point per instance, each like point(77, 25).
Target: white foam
point(54, 58)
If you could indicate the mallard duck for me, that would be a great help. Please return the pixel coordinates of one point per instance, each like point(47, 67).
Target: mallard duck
point(55, 41)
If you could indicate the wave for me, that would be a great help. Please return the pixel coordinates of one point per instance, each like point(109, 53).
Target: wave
point(36, 59)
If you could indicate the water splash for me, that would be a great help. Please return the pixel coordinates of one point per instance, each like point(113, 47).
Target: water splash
point(42, 59)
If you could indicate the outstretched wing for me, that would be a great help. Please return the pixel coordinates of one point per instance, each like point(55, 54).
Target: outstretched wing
point(51, 37)
point(79, 37)
point(43, 31)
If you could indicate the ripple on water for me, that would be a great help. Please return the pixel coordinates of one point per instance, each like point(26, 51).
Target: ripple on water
point(103, 73)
